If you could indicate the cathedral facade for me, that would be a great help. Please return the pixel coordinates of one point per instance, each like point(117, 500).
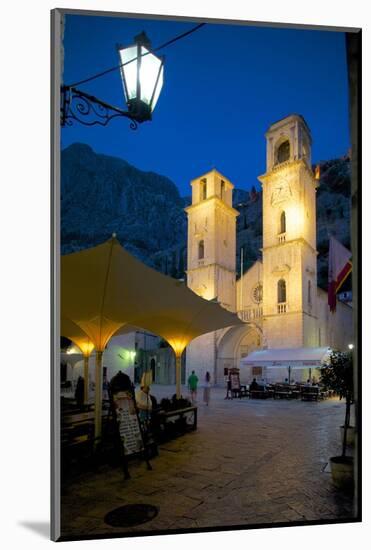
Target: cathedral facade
point(277, 298)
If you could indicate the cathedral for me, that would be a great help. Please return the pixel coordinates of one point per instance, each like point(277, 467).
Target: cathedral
point(285, 315)
point(277, 298)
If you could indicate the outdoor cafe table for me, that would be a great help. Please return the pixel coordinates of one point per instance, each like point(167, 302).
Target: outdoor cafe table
point(285, 391)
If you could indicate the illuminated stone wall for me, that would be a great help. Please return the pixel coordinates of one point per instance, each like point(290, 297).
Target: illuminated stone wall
point(211, 271)
point(289, 186)
point(289, 236)
point(250, 282)
point(289, 254)
point(119, 355)
point(201, 357)
point(212, 221)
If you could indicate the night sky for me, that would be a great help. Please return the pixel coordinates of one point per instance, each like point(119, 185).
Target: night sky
point(224, 85)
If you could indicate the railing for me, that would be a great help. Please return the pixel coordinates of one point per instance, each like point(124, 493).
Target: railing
point(282, 308)
point(277, 165)
point(250, 314)
point(282, 238)
point(201, 262)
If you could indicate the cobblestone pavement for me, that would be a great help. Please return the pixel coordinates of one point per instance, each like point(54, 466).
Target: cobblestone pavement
point(249, 462)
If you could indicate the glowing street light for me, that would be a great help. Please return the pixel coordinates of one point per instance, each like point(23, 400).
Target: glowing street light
point(350, 346)
point(142, 74)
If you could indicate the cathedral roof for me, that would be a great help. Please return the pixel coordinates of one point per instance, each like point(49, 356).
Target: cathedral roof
point(285, 119)
point(215, 171)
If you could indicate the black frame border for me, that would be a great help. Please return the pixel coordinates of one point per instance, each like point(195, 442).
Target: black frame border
point(354, 59)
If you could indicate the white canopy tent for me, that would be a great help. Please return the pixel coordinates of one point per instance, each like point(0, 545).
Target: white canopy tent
point(278, 364)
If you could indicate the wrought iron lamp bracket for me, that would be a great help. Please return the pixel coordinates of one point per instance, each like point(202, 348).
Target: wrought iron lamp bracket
point(88, 110)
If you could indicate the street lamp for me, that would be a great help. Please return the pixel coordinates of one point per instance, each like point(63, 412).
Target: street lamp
point(350, 346)
point(142, 78)
point(142, 74)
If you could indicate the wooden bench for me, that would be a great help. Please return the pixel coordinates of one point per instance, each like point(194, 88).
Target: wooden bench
point(169, 424)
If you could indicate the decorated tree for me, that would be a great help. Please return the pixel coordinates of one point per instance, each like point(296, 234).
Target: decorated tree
point(337, 375)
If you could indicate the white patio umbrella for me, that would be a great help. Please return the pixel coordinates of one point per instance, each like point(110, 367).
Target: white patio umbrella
point(104, 289)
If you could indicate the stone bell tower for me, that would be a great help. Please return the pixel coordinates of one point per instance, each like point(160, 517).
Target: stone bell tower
point(211, 264)
point(289, 237)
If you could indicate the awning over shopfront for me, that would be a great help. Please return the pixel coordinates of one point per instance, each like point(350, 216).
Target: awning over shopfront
point(294, 357)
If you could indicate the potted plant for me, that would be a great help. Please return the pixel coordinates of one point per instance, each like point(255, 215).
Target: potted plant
point(337, 375)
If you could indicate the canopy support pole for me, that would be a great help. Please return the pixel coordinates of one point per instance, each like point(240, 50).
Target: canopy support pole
point(86, 379)
point(98, 395)
point(178, 374)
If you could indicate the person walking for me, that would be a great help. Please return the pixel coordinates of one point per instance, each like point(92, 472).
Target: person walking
point(192, 386)
point(207, 389)
point(228, 395)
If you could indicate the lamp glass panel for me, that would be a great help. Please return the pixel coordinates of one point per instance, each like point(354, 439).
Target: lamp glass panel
point(130, 70)
point(158, 88)
point(150, 66)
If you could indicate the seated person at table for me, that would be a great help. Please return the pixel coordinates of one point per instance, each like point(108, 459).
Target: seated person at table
point(254, 385)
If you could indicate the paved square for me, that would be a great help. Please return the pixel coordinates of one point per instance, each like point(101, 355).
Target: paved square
point(249, 462)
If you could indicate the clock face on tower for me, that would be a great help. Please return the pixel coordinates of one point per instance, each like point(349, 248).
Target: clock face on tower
point(281, 192)
point(257, 293)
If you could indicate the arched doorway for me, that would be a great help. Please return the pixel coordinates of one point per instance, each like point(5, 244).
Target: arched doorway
point(235, 343)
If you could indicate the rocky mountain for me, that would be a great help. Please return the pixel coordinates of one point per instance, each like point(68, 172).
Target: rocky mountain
point(101, 195)
point(333, 212)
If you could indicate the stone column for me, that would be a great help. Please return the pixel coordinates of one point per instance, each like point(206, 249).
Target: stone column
point(178, 374)
point(98, 394)
point(86, 379)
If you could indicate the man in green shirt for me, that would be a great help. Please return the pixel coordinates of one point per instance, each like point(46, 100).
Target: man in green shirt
point(192, 385)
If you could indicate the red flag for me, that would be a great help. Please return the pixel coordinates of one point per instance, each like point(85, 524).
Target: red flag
point(339, 267)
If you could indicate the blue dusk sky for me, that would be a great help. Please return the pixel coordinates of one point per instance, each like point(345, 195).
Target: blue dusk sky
point(224, 85)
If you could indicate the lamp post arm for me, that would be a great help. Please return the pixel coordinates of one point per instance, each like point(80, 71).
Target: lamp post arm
point(87, 109)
